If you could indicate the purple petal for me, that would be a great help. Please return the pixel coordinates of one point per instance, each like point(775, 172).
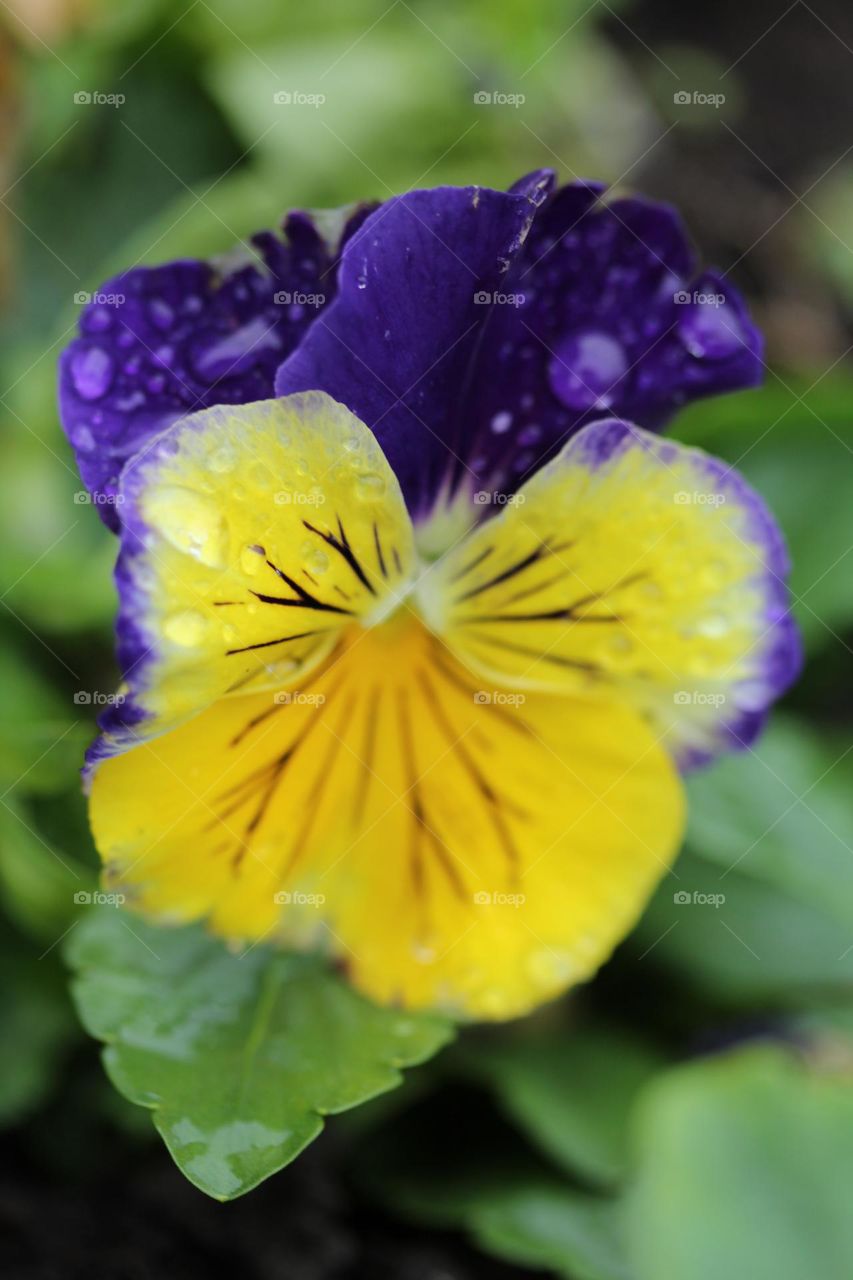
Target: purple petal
point(592, 309)
point(157, 343)
point(400, 344)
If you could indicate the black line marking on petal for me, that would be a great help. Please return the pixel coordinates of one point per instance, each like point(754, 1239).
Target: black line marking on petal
point(320, 783)
point(511, 572)
point(458, 681)
point(417, 807)
point(490, 796)
point(368, 749)
point(379, 556)
point(555, 659)
point(344, 550)
point(468, 568)
point(265, 644)
point(275, 771)
point(279, 706)
point(398, 564)
point(304, 600)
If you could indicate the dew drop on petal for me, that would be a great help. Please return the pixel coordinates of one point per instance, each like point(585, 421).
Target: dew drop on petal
point(161, 313)
point(585, 370)
point(501, 423)
point(711, 331)
point(190, 522)
point(185, 628)
point(369, 486)
point(91, 372)
point(251, 559)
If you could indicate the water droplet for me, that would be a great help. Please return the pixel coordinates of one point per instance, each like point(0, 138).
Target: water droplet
point(315, 559)
point(186, 628)
point(91, 372)
point(713, 626)
point(585, 370)
point(251, 559)
point(711, 330)
point(190, 522)
point(501, 423)
point(222, 460)
point(531, 434)
point(82, 438)
point(369, 486)
point(161, 313)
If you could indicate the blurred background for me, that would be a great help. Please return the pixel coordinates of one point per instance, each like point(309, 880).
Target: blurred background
point(706, 1077)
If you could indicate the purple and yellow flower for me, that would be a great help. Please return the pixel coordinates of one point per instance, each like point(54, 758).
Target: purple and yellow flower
point(419, 621)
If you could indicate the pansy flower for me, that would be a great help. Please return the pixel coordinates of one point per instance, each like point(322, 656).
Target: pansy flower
point(419, 620)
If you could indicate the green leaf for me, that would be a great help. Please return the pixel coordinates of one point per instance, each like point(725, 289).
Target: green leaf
point(37, 1022)
point(578, 1236)
point(239, 1057)
point(475, 1173)
point(780, 813)
point(758, 945)
point(744, 1169)
point(570, 1092)
point(37, 882)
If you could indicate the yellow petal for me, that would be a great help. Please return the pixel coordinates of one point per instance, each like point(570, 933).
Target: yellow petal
point(252, 535)
point(456, 845)
point(629, 566)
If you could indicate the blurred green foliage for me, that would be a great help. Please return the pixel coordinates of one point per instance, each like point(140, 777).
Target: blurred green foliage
point(602, 1139)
